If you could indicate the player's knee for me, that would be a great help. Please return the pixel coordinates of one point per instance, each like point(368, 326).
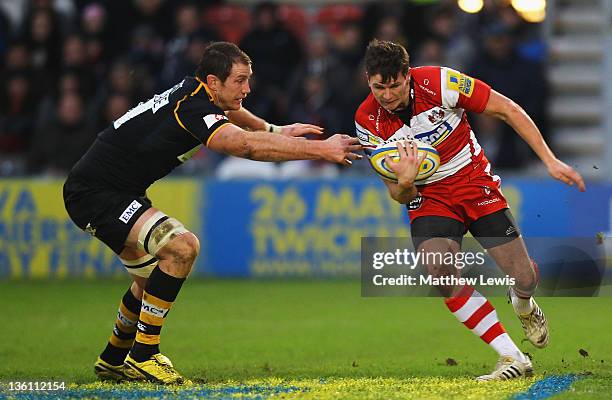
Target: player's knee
point(440, 272)
point(182, 250)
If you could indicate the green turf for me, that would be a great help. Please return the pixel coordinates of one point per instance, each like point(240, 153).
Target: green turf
point(321, 337)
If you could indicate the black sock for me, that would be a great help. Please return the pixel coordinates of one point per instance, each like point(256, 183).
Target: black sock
point(124, 332)
point(160, 293)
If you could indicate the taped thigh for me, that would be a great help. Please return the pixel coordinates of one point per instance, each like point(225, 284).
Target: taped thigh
point(158, 231)
point(142, 266)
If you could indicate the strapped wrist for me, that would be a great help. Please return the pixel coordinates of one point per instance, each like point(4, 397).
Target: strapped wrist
point(272, 128)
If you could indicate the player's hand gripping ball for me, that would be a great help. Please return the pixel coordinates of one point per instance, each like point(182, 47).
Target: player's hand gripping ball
point(429, 165)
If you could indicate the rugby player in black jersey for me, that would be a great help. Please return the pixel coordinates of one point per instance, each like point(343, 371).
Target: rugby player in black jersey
point(105, 194)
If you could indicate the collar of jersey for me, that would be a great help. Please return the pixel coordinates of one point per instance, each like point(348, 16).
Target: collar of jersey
point(211, 95)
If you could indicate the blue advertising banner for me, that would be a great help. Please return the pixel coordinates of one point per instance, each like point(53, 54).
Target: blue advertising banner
point(294, 228)
point(314, 228)
point(265, 228)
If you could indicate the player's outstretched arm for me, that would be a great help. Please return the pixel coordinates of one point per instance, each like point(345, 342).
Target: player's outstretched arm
point(259, 146)
point(406, 170)
point(507, 110)
point(249, 121)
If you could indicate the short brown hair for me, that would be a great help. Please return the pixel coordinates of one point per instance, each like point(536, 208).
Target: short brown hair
point(387, 59)
point(218, 58)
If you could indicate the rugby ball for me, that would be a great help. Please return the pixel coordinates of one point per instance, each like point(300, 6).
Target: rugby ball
point(429, 165)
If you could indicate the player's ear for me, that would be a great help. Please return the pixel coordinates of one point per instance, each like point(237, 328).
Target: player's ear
point(212, 81)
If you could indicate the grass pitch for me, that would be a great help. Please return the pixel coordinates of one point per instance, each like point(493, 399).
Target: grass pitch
point(296, 339)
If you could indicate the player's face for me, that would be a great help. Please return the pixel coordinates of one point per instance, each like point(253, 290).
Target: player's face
point(392, 95)
point(235, 88)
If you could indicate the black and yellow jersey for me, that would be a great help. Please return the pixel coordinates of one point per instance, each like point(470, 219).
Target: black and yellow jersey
point(152, 139)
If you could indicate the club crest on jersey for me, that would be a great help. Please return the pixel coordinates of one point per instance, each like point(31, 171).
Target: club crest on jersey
point(436, 116)
point(437, 135)
point(460, 83)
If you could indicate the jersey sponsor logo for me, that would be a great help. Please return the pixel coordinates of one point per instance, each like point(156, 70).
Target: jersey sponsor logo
point(129, 212)
point(487, 202)
point(415, 203)
point(212, 119)
point(125, 321)
point(460, 83)
point(437, 135)
point(428, 90)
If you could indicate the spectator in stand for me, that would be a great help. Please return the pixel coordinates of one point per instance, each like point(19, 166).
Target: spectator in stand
point(523, 81)
point(17, 58)
point(183, 52)
point(96, 36)
point(75, 63)
point(347, 46)
point(390, 28)
point(122, 79)
point(115, 106)
point(321, 63)
point(44, 40)
point(446, 29)
point(127, 14)
point(58, 146)
point(412, 16)
point(430, 52)
point(17, 116)
point(275, 52)
point(146, 55)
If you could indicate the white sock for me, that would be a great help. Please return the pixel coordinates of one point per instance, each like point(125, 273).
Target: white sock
point(521, 306)
point(504, 346)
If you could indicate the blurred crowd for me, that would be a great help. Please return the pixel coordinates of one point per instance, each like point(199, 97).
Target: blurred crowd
point(71, 67)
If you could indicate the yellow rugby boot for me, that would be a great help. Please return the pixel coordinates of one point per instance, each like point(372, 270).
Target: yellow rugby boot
point(157, 369)
point(108, 372)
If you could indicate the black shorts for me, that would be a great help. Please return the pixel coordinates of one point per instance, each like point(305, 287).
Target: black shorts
point(103, 212)
point(491, 230)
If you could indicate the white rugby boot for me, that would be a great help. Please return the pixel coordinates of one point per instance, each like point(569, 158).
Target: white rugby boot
point(508, 367)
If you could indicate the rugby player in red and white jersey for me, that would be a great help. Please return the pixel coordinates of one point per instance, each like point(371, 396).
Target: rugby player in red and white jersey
point(429, 104)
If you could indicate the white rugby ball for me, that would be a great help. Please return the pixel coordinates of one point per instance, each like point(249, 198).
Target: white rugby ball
point(429, 165)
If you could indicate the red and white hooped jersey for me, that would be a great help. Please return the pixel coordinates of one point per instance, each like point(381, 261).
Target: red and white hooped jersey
point(438, 100)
